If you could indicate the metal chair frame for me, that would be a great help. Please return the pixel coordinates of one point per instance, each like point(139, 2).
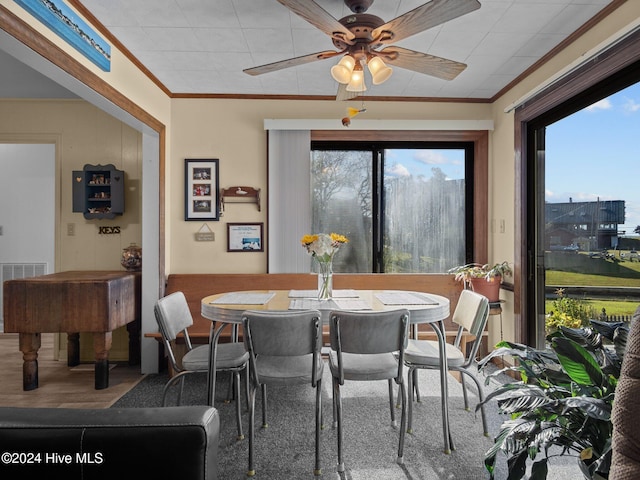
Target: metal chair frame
point(381, 337)
point(174, 318)
point(288, 341)
point(474, 322)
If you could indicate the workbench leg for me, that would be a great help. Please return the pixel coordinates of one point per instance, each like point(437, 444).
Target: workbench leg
point(101, 347)
point(29, 346)
point(73, 349)
point(133, 328)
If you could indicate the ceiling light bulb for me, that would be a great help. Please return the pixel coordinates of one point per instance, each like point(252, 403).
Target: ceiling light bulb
point(379, 70)
point(357, 81)
point(341, 72)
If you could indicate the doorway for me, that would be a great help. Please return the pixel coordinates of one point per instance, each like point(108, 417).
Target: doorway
point(612, 71)
point(28, 213)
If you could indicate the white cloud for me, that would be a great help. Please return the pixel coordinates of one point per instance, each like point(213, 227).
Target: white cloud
point(631, 105)
point(430, 157)
point(604, 104)
point(398, 170)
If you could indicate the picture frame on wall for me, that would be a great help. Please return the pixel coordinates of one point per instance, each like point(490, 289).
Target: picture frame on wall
point(201, 189)
point(245, 237)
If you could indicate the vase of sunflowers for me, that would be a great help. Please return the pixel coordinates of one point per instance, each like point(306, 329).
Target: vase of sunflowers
point(322, 247)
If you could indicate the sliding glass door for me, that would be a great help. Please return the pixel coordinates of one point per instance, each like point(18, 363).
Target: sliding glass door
point(587, 216)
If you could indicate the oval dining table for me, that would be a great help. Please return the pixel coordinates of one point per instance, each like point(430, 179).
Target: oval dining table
point(424, 308)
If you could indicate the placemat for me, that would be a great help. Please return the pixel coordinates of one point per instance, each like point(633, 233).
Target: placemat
point(405, 298)
point(244, 298)
point(314, 293)
point(310, 304)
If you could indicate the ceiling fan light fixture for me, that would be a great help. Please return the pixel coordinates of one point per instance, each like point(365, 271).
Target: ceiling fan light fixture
point(357, 81)
point(341, 72)
point(379, 70)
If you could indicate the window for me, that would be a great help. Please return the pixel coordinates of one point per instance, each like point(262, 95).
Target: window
point(404, 206)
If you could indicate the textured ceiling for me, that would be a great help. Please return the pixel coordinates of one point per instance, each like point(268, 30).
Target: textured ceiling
point(202, 46)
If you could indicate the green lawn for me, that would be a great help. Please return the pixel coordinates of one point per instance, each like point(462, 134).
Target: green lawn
point(630, 277)
point(612, 307)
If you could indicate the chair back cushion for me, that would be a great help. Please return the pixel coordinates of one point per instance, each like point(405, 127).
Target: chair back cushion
point(472, 312)
point(283, 333)
point(173, 315)
point(369, 332)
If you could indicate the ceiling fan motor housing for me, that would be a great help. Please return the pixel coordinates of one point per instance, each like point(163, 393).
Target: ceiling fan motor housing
point(361, 25)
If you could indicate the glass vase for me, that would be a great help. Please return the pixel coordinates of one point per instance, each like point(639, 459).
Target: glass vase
point(325, 281)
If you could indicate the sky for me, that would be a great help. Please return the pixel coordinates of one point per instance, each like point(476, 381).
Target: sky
point(421, 162)
point(596, 153)
point(593, 153)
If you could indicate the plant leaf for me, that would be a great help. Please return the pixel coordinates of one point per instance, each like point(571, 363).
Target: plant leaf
point(589, 338)
point(518, 401)
point(539, 470)
point(517, 466)
point(578, 362)
point(606, 329)
point(592, 407)
point(620, 340)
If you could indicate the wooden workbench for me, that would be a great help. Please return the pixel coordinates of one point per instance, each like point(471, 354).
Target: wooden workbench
point(72, 302)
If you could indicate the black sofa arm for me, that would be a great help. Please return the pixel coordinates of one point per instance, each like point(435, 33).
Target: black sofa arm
point(169, 442)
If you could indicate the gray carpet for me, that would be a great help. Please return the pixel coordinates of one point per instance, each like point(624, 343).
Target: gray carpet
point(285, 450)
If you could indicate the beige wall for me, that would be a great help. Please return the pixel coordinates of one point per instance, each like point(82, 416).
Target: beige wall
point(233, 131)
point(83, 135)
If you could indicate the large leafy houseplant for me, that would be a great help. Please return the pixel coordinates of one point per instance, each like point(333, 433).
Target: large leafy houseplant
point(563, 403)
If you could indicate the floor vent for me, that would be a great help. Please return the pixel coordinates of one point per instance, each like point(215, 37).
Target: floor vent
point(9, 271)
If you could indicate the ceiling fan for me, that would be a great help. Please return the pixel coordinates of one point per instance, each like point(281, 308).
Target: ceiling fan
point(360, 36)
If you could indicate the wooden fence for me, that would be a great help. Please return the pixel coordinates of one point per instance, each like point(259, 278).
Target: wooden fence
point(614, 318)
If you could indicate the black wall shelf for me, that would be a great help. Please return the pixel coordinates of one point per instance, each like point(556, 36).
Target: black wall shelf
point(98, 191)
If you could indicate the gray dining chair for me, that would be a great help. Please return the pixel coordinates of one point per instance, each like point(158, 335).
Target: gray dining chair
point(174, 318)
point(368, 346)
point(284, 349)
point(470, 315)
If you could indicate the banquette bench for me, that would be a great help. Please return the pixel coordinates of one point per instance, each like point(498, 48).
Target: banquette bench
point(199, 285)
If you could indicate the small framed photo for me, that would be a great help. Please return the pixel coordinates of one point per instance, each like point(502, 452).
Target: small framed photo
point(244, 237)
point(201, 189)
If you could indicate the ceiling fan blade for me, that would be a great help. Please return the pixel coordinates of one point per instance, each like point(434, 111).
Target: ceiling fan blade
point(318, 17)
point(423, 63)
point(344, 94)
point(290, 62)
point(424, 17)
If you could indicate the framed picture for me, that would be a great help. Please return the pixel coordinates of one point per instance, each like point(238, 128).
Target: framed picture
point(201, 189)
point(244, 237)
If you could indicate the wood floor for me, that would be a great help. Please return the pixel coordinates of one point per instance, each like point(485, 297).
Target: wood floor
point(59, 385)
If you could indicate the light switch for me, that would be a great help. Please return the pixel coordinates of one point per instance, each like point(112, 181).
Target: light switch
point(71, 229)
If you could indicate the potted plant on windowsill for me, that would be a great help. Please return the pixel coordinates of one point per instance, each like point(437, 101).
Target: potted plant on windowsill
point(484, 279)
